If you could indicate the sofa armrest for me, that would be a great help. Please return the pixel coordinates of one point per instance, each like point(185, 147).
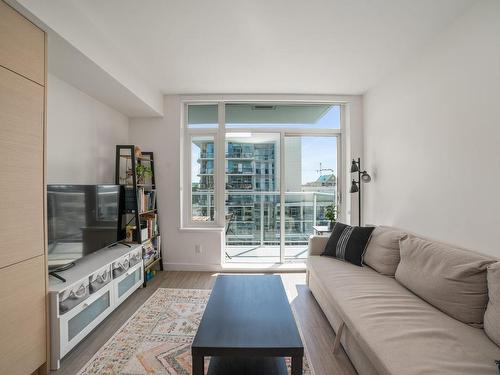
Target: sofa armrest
point(317, 244)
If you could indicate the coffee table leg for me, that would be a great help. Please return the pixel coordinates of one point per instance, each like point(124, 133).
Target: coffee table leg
point(297, 365)
point(198, 365)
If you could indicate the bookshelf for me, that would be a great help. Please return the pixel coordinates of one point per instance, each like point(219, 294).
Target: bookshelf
point(138, 217)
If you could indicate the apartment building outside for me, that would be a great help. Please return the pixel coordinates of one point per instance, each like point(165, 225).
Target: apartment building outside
point(252, 198)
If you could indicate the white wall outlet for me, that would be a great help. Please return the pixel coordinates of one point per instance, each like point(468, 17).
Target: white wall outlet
point(197, 249)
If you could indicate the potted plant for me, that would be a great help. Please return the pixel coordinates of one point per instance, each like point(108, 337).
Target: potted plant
point(142, 172)
point(331, 215)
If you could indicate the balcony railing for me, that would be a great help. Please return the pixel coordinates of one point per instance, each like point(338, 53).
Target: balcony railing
point(303, 210)
point(206, 155)
point(256, 219)
point(239, 155)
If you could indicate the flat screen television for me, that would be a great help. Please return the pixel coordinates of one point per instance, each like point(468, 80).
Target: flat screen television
point(81, 220)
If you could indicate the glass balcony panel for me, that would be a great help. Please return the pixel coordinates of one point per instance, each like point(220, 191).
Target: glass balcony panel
point(252, 227)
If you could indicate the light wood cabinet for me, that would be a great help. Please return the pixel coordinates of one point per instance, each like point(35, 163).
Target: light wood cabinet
point(23, 263)
point(21, 161)
point(22, 45)
point(22, 301)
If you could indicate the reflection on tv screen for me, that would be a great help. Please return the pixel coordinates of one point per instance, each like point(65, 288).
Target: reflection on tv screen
point(81, 220)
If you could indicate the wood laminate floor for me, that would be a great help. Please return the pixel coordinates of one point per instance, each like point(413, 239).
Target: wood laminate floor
point(317, 332)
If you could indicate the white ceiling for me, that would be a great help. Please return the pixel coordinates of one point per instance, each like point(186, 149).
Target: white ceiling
point(267, 46)
point(74, 67)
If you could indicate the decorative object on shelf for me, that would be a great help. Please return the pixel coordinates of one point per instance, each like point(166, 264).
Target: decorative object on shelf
point(331, 215)
point(129, 233)
point(138, 216)
point(364, 177)
point(137, 152)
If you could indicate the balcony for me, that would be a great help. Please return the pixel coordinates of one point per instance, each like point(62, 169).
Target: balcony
point(206, 171)
point(253, 234)
point(240, 155)
point(206, 156)
point(238, 172)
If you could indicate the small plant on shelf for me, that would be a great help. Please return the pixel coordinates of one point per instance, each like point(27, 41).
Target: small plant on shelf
point(142, 172)
point(331, 214)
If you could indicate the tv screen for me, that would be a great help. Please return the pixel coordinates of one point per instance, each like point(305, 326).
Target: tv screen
point(81, 219)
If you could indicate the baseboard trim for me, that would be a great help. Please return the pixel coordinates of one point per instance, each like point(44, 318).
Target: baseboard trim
point(234, 267)
point(197, 267)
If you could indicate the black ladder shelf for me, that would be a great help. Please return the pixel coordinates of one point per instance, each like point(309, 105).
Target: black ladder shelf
point(138, 202)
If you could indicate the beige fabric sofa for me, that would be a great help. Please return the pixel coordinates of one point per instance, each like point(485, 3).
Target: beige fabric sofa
point(390, 330)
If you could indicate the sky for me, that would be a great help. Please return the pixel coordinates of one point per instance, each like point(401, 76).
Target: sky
point(314, 149)
point(317, 150)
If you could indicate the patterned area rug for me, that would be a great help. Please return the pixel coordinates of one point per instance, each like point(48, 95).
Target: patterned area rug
point(157, 338)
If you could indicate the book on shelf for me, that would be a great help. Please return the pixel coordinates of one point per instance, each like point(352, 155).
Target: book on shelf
point(146, 200)
point(149, 225)
point(149, 252)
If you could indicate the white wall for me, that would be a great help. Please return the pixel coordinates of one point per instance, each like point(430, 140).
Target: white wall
point(81, 136)
point(162, 136)
point(69, 21)
point(432, 137)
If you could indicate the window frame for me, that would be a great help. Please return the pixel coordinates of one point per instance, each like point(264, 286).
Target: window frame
point(186, 161)
point(219, 135)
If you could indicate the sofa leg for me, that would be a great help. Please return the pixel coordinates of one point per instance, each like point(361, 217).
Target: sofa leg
point(336, 344)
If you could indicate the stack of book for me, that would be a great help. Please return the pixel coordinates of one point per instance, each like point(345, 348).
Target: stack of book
point(150, 250)
point(149, 226)
point(146, 200)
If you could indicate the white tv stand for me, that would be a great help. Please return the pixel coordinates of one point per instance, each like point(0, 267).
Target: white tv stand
point(89, 303)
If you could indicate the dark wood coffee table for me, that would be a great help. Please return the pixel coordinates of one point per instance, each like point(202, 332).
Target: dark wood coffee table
point(247, 328)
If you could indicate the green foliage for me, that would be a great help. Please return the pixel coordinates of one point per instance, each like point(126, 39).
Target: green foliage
point(143, 171)
point(331, 212)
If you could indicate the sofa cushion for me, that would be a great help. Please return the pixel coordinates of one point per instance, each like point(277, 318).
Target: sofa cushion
point(399, 332)
point(451, 279)
point(382, 252)
point(348, 243)
point(492, 315)
point(351, 347)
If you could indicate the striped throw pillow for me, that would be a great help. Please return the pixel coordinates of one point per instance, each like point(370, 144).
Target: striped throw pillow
point(348, 243)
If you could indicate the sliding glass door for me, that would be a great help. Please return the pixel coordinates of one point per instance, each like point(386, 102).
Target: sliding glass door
point(265, 144)
point(310, 187)
point(252, 209)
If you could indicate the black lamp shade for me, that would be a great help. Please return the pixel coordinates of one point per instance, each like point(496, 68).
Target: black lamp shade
point(354, 166)
point(354, 187)
point(365, 177)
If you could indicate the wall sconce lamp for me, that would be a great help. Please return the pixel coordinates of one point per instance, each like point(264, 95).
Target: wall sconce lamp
point(364, 177)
